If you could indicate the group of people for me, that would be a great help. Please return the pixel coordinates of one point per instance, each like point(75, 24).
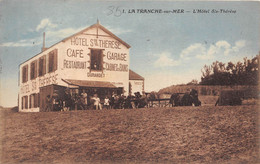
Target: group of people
point(114, 101)
point(119, 101)
point(84, 101)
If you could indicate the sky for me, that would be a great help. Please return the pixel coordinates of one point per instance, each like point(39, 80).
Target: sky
point(166, 48)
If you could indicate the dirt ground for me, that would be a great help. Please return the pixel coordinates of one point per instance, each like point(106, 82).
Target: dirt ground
point(205, 134)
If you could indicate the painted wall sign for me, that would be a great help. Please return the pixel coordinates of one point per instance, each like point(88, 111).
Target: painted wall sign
point(70, 64)
point(138, 83)
point(116, 67)
point(34, 85)
point(52, 79)
point(92, 74)
point(78, 41)
point(117, 83)
point(74, 53)
point(25, 89)
point(116, 56)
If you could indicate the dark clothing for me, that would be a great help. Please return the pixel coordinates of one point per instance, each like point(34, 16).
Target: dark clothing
point(48, 104)
point(67, 100)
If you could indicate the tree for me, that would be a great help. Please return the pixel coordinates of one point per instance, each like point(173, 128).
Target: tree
point(241, 73)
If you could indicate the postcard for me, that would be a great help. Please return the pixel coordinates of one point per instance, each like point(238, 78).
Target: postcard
point(129, 81)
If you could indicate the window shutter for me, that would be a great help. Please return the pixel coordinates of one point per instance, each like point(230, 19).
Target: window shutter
point(35, 69)
point(31, 71)
point(26, 102)
point(55, 61)
point(22, 102)
point(89, 67)
point(23, 80)
point(102, 64)
point(30, 103)
point(39, 67)
point(26, 73)
point(34, 100)
point(49, 62)
point(44, 65)
point(38, 99)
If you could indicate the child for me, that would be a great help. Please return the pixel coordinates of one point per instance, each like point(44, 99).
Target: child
point(106, 103)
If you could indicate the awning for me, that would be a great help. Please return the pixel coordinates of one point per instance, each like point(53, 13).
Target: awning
point(91, 84)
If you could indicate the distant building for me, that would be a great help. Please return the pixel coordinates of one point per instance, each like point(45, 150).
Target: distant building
point(93, 60)
point(136, 82)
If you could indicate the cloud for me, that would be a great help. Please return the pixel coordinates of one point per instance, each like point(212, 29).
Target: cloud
point(62, 33)
point(50, 37)
point(53, 35)
point(165, 60)
point(45, 23)
point(196, 49)
point(202, 51)
point(238, 45)
point(22, 43)
point(118, 31)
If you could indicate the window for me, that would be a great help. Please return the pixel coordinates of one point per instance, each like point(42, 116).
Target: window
point(38, 99)
point(34, 100)
point(25, 73)
point(96, 59)
point(53, 61)
point(33, 69)
point(42, 65)
point(25, 102)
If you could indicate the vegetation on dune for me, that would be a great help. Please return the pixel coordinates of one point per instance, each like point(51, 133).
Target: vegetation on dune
point(241, 73)
point(220, 76)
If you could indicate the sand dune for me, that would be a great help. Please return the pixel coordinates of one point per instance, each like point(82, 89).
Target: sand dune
point(204, 134)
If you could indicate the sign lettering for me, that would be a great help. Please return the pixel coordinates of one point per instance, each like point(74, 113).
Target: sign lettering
point(138, 83)
point(116, 67)
point(91, 74)
point(74, 53)
point(25, 89)
point(74, 64)
point(77, 41)
point(48, 80)
point(117, 83)
point(116, 56)
point(34, 85)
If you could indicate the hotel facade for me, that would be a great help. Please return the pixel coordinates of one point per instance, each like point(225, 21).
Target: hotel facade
point(93, 60)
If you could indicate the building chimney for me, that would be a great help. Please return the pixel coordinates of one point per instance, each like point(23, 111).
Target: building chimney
point(43, 44)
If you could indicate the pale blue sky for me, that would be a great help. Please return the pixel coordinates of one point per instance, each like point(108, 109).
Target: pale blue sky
point(166, 49)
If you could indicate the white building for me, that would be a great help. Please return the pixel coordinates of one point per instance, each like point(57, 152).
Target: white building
point(94, 60)
point(136, 82)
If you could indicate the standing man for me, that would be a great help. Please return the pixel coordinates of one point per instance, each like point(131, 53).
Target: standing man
point(85, 99)
point(48, 103)
point(97, 102)
point(67, 100)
